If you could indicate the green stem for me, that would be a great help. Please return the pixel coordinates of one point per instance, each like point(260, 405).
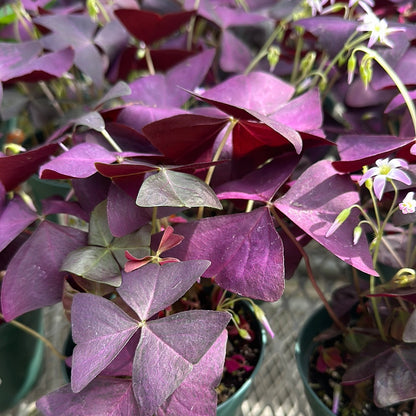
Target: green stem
point(36, 335)
point(299, 46)
point(263, 51)
point(395, 78)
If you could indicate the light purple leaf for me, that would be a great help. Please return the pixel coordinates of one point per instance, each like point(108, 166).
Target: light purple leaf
point(409, 333)
point(395, 378)
point(163, 359)
point(187, 74)
point(198, 388)
point(242, 91)
point(154, 287)
point(56, 205)
point(235, 54)
point(245, 251)
point(313, 203)
point(14, 219)
point(303, 113)
point(124, 216)
point(77, 32)
point(261, 184)
point(103, 397)
point(99, 338)
point(176, 189)
point(33, 279)
point(78, 162)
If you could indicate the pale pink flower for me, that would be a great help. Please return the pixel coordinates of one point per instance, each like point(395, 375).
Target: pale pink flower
point(386, 170)
point(408, 205)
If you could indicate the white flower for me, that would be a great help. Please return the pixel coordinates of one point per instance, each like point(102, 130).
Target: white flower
point(316, 6)
point(363, 3)
point(408, 206)
point(386, 170)
point(379, 29)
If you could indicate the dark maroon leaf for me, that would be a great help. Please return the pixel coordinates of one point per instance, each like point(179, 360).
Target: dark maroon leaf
point(14, 219)
point(193, 136)
point(313, 203)
point(149, 26)
point(104, 397)
point(33, 279)
point(77, 162)
point(245, 251)
point(17, 168)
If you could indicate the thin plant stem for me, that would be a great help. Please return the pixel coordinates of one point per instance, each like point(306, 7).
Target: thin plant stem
point(149, 61)
point(308, 269)
point(216, 157)
point(110, 140)
point(36, 335)
point(298, 51)
point(51, 98)
point(191, 27)
point(395, 78)
point(263, 51)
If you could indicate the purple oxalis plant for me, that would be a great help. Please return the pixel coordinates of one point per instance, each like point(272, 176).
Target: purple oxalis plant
point(166, 131)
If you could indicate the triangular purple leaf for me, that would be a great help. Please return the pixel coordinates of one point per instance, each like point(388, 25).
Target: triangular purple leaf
point(101, 330)
point(313, 203)
point(33, 279)
point(199, 386)
point(153, 288)
point(14, 219)
point(163, 360)
point(78, 162)
point(245, 251)
point(103, 397)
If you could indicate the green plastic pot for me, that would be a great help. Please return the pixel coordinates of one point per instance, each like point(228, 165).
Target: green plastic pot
point(233, 404)
point(20, 359)
point(304, 348)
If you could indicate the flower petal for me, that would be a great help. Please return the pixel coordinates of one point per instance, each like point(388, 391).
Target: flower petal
point(400, 176)
point(379, 185)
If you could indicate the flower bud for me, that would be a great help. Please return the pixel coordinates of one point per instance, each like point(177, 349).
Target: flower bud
point(342, 216)
point(273, 56)
point(262, 318)
point(352, 64)
point(357, 234)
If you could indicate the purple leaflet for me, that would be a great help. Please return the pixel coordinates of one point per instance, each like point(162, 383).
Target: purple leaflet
point(99, 339)
point(17, 168)
point(187, 74)
point(235, 54)
point(149, 26)
point(163, 360)
point(199, 386)
point(103, 397)
point(77, 32)
point(56, 205)
point(409, 333)
point(313, 203)
point(14, 218)
point(78, 162)
point(355, 152)
point(153, 288)
point(33, 279)
point(245, 251)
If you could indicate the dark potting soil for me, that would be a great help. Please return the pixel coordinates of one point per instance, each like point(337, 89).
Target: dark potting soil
point(322, 384)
